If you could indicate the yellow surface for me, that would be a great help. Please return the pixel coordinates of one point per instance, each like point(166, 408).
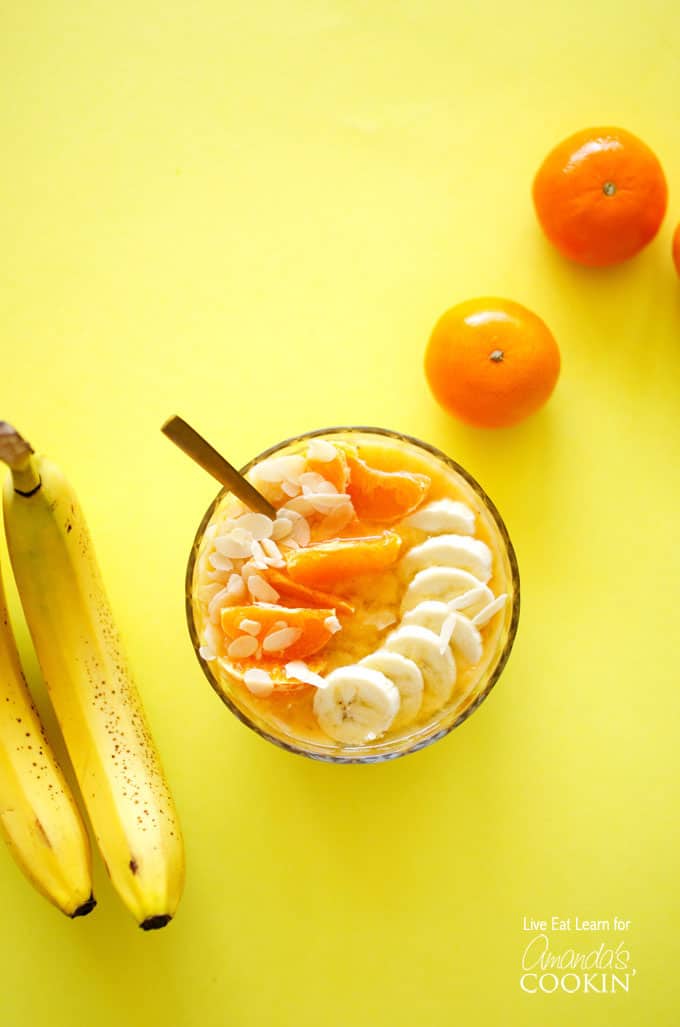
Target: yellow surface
point(252, 214)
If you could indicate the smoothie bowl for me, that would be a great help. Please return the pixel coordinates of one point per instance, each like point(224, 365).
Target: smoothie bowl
point(372, 615)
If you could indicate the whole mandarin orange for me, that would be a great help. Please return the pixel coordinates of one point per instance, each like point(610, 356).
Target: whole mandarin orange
point(676, 249)
point(600, 196)
point(491, 362)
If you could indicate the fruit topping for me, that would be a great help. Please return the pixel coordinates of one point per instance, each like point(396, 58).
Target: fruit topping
point(271, 631)
point(438, 667)
point(356, 705)
point(441, 517)
point(330, 563)
point(384, 495)
point(460, 551)
point(289, 589)
point(329, 462)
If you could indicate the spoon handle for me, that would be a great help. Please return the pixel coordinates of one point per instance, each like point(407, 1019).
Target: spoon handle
point(195, 446)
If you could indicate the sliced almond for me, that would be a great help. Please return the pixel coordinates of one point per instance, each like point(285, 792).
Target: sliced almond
point(213, 637)
point(469, 598)
point(299, 669)
point(321, 450)
point(302, 536)
point(235, 586)
point(257, 525)
point(313, 482)
point(334, 522)
point(248, 568)
point(301, 532)
point(260, 589)
point(489, 611)
point(220, 562)
point(290, 543)
point(217, 602)
point(217, 577)
point(281, 528)
point(279, 468)
point(224, 527)
point(277, 641)
point(251, 627)
point(272, 553)
point(233, 546)
point(258, 682)
point(300, 505)
point(290, 488)
point(241, 648)
point(258, 557)
point(324, 503)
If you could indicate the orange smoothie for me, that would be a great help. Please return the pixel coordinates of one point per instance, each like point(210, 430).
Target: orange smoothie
point(371, 613)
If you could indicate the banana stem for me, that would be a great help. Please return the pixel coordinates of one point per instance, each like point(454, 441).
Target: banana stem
point(17, 453)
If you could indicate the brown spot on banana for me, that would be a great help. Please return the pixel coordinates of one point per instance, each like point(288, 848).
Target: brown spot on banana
point(43, 833)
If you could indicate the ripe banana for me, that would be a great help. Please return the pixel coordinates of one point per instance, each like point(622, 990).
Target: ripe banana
point(38, 816)
point(96, 702)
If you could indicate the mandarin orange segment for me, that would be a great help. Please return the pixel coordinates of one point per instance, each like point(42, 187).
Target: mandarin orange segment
point(290, 589)
point(282, 632)
point(329, 563)
point(384, 495)
point(335, 470)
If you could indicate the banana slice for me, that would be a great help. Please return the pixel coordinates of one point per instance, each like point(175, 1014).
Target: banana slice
point(405, 674)
point(464, 638)
point(442, 516)
point(459, 551)
point(429, 614)
point(438, 668)
point(445, 584)
point(357, 705)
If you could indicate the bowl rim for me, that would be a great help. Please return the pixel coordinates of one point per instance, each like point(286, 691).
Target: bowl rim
point(501, 660)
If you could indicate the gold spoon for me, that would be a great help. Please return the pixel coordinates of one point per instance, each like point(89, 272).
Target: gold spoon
point(195, 446)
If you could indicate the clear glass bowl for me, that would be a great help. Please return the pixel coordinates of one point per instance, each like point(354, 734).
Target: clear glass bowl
point(413, 737)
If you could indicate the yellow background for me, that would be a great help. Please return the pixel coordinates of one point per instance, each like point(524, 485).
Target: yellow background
point(251, 214)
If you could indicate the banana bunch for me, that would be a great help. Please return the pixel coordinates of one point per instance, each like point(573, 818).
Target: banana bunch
point(97, 704)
